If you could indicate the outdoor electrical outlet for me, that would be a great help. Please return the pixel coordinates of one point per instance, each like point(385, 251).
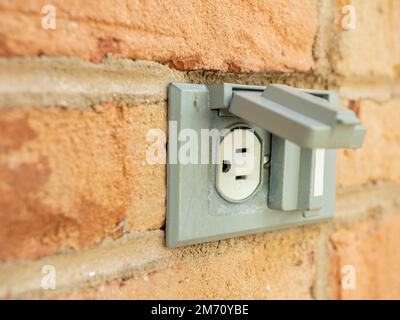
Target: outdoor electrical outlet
point(246, 159)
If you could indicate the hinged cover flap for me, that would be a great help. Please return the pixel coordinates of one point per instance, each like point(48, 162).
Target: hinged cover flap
point(303, 118)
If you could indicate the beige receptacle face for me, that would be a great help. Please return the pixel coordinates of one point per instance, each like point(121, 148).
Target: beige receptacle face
point(239, 165)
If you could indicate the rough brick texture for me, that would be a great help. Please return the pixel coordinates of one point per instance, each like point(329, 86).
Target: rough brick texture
point(270, 35)
point(371, 248)
point(73, 177)
point(376, 160)
point(369, 50)
point(274, 266)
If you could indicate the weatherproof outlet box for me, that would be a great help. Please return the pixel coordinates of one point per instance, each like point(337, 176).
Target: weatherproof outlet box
point(298, 131)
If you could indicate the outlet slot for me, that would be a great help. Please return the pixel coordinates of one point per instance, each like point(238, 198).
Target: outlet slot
point(240, 177)
point(241, 150)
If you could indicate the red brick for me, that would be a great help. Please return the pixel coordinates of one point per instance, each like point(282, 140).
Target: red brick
point(70, 177)
point(369, 50)
point(371, 248)
point(377, 159)
point(270, 35)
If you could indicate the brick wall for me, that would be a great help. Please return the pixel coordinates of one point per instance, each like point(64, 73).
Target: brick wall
point(75, 104)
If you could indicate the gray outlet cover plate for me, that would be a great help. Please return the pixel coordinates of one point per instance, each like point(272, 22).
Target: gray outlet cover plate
point(195, 211)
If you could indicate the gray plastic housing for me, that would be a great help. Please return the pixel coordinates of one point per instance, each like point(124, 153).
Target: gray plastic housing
point(303, 118)
point(197, 213)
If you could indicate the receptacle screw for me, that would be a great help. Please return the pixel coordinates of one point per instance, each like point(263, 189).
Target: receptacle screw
point(267, 162)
